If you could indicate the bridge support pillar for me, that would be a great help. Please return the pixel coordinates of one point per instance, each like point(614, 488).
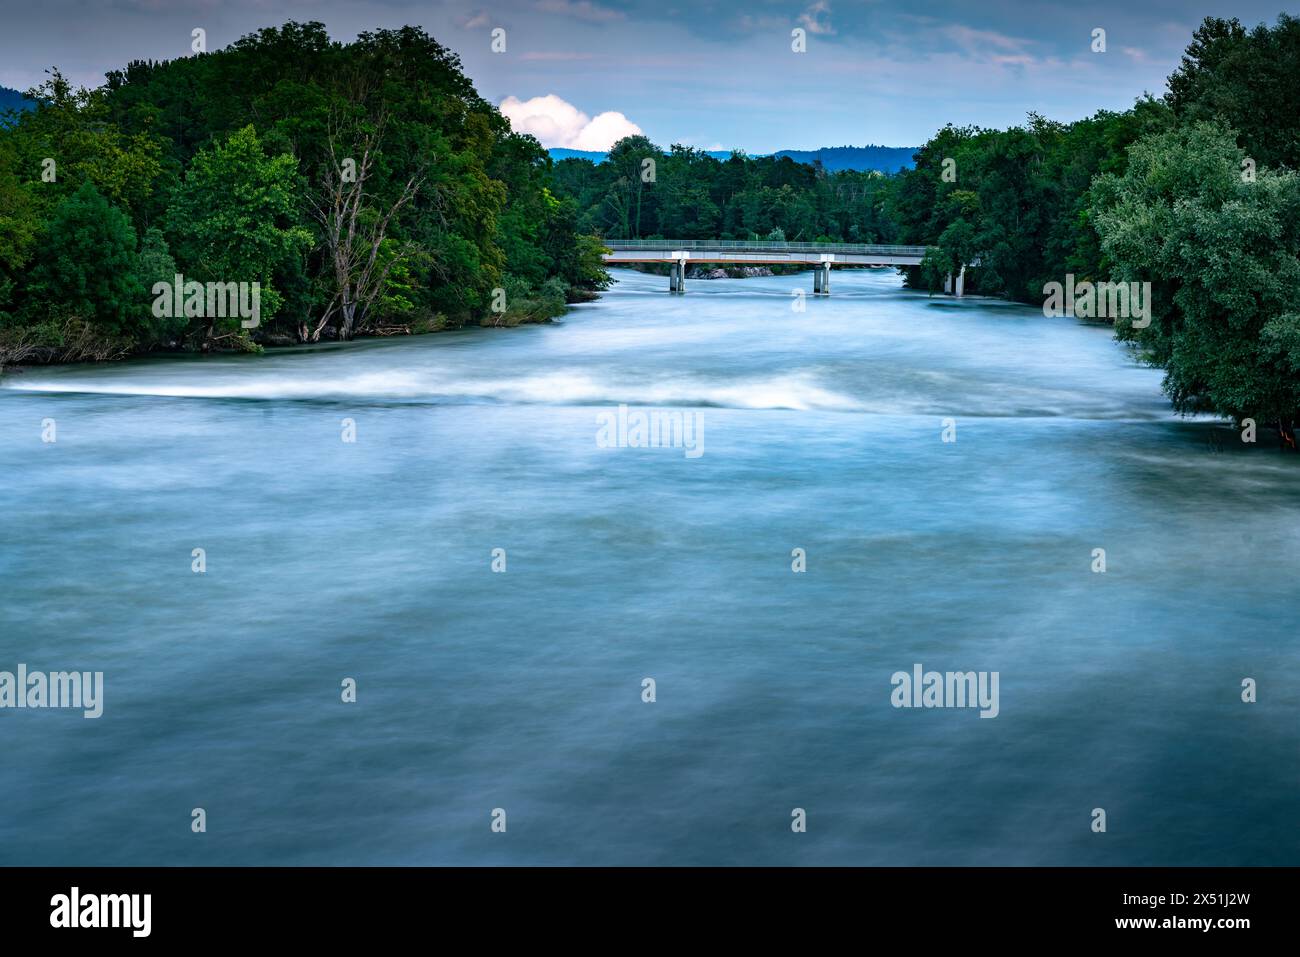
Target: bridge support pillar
point(961, 282)
point(822, 280)
point(947, 285)
point(677, 276)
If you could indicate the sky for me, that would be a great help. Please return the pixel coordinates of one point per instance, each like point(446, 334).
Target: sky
point(582, 73)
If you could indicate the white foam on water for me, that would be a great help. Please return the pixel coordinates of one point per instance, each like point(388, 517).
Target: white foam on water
point(788, 391)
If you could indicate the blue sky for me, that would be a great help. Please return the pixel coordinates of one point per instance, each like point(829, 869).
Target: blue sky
point(705, 73)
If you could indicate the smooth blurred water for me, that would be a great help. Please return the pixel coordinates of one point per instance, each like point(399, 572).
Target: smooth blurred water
point(522, 690)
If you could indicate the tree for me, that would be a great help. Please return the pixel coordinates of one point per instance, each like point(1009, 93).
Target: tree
point(629, 200)
point(156, 265)
point(354, 224)
point(73, 128)
point(234, 220)
point(20, 224)
point(1222, 254)
point(1249, 81)
point(87, 266)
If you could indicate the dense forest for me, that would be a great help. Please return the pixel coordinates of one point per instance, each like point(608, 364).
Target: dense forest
point(688, 194)
point(1196, 193)
point(365, 187)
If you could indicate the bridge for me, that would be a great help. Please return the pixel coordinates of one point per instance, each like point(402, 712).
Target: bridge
point(679, 253)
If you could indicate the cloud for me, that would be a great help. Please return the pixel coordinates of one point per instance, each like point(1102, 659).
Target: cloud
point(580, 10)
point(817, 18)
point(557, 122)
point(479, 18)
point(972, 39)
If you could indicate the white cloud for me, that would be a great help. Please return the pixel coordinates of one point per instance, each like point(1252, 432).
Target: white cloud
point(972, 39)
point(557, 122)
point(817, 18)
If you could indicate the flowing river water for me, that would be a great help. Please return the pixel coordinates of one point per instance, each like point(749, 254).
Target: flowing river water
point(522, 689)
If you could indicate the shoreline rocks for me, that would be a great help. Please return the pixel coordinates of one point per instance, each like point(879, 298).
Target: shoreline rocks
point(731, 272)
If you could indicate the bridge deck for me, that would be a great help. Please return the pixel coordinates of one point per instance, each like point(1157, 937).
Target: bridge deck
point(764, 252)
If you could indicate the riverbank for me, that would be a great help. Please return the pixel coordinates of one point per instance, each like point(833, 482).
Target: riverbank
point(73, 341)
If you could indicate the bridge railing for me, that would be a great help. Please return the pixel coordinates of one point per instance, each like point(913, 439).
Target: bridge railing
point(764, 245)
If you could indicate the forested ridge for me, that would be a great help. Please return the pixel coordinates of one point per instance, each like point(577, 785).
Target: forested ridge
point(12, 100)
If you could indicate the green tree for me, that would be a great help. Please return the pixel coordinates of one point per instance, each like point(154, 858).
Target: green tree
point(20, 224)
point(156, 265)
point(1222, 254)
point(73, 129)
point(629, 202)
point(1249, 80)
point(235, 219)
point(87, 266)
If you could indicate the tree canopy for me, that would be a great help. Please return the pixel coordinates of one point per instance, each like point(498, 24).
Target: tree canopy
point(364, 186)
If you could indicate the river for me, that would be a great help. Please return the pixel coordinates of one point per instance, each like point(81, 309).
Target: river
point(522, 689)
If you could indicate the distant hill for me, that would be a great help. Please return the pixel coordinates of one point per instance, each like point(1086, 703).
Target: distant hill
point(561, 153)
point(12, 100)
point(886, 159)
